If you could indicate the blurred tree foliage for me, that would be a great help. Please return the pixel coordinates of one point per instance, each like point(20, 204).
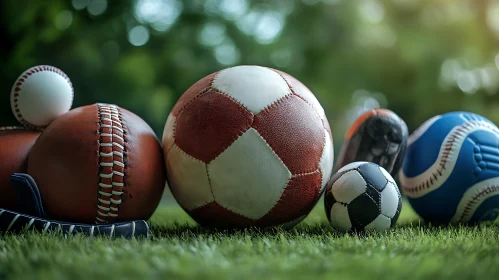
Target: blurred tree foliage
point(418, 58)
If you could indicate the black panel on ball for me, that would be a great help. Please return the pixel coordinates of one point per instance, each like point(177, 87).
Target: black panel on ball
point(333, 179)
point(374, 194)
point(399, 208)
point(363, 209)
point(329, 201)
point(373, 175)
point(395, 218)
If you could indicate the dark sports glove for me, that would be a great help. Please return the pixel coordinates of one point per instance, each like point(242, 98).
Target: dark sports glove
point(31, 216)
point(378, 136)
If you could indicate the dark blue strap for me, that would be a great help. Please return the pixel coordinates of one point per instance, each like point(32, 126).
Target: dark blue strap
point(28, 199)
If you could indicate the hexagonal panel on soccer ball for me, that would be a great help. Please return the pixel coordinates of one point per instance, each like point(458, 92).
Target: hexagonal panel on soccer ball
point(390, 200)
point(339, 217)
point(362, 211)
point(374, 175)
point(348, 186)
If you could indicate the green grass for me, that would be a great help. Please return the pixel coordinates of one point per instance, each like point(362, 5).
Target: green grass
point(180, 250)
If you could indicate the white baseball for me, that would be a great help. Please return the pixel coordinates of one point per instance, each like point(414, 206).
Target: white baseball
point(40, 95)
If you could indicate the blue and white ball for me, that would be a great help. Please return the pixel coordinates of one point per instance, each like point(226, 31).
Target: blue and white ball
point(450, 172)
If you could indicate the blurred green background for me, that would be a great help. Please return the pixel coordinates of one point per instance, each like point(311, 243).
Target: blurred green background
point(418, 58)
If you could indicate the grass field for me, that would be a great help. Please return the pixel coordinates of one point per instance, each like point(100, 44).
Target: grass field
point(312, 250)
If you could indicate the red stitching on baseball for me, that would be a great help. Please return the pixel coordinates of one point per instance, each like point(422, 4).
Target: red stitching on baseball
point(21, 81)
point(461, 131)
point(475, 199)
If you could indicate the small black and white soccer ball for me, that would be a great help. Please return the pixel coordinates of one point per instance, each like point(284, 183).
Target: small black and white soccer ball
point(362, 196)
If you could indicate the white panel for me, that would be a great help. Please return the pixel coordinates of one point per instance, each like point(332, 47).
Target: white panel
point(43, 97)
point(389, 200)
point(327, 160)
point(168, 133)
point(380, 223)
point(348, 186)
point(473, 198)
point(339, 217)
point(188, 179)
point(352, 165)
point(387, 175)
point(254, 87)
point(248, 178)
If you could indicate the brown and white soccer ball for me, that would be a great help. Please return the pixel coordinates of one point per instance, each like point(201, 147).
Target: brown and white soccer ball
point(98, 164)
point(248, 146)
point(40, 95)
point(15, 146)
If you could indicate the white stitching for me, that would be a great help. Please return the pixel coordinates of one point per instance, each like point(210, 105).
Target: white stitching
point(103, 214)
point(113, 127)
point(104, 201)
point(103, 208)
point(111, 154)
point(292, 89)
point(105, 194)
point(110, 119)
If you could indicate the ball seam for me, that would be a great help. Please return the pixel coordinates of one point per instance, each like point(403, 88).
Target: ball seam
point(447, 151)
point(474, 200)
point(18, 87)
point(293, 92)
point(110, 196)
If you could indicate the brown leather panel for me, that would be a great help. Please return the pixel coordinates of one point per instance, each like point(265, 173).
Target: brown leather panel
point(191, 93)
point(214, 215)
point(294, 131)
point(208, 125)
point(298, 199)
point(145, 175)
point(65, 164)
point(15, 146)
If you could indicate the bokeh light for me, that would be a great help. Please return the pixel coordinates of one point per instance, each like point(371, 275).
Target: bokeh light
point(97, 7)
point(64, 19)
point(160, 14)
point(418, 58)
point(138, 36)
point(227, 53)
point(80, 4)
